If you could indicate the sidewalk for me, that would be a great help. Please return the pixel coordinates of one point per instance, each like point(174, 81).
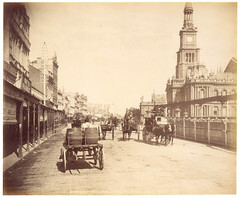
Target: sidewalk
point(12, 159)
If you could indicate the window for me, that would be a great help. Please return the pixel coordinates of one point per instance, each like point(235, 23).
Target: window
point(224, 92)
point(224, 111)
point(189, 57)
point(233, 112)
point(215, 92)
point(215, 111)
point(201, 93)
point(233, 92)
point(204, 111)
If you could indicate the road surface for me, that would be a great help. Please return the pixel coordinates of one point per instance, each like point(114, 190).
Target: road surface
point(131, 168)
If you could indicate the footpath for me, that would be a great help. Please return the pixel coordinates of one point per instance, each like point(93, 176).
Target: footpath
point(12, 159)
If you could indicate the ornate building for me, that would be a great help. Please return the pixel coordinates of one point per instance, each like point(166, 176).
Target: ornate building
point(146, 108)
point(44, 77)
point(193, 81)
point(19, 105)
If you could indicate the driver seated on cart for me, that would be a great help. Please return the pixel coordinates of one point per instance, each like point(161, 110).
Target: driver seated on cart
point(91, 134)
point(87, 124)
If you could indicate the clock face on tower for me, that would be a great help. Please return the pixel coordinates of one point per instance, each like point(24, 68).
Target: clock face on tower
point(189, 39)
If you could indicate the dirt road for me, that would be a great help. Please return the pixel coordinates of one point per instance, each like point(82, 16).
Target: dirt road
point(131, 167)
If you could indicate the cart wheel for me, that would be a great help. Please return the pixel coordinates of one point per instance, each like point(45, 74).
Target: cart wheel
point(101, 158)
point(64, 162)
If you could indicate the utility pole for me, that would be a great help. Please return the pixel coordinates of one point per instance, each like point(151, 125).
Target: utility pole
point(44, 58)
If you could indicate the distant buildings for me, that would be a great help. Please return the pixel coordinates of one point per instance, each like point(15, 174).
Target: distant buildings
point(147, 107)
point(193, 81)
point(44, 77)
point(72, 103)
point(100, 110)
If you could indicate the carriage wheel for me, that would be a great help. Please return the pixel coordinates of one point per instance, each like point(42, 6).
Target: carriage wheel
point(101, 157)
point(64, 162)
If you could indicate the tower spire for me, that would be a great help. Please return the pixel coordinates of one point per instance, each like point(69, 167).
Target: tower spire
point(188, 15)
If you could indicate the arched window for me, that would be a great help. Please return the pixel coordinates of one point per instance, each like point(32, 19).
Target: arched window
point(201, 95)
point(233, 92)
point(204, 111)
point(224, 92)
point(215, 92)
point(215, 111)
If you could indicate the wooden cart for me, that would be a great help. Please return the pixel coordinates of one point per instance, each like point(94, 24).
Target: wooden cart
point(79, 145)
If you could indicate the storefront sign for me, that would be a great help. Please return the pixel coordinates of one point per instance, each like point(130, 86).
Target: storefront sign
point(26, 84)
point(9, 111)
point(13, 93)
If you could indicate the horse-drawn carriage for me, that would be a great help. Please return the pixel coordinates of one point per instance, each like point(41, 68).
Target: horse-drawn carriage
point(158, 127)
point(107, 126)
point(82, 145)
point(129, 125)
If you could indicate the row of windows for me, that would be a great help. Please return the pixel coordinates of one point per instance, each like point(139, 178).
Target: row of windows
point(189, 57)
point(216, 111)
point(215, 93)
point(224, 92)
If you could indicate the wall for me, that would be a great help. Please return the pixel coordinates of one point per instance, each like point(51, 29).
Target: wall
point(221, 132)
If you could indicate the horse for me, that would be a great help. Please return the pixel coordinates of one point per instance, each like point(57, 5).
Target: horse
point(128, 126)
point(163, 131)
point(171, 133)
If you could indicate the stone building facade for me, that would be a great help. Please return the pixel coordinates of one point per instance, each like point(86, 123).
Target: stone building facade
point(19, 105)
point(16, 46)
point(47, 84)
point(26, 120)
point(146, 108)
point(193, 81)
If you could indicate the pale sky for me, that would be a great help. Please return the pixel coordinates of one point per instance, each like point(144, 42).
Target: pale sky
point(114, 53)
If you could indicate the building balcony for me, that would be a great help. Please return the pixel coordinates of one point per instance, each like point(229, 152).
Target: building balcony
point(20, 33)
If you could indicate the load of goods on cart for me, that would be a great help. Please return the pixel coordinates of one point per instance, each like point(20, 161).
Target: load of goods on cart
point(81, 143)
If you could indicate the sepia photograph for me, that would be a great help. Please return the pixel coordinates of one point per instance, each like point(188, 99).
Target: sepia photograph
point(119, 98)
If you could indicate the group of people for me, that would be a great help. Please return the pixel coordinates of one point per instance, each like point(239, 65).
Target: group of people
point(85, 123)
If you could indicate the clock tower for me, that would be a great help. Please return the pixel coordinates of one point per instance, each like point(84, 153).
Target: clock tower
point(188, 54)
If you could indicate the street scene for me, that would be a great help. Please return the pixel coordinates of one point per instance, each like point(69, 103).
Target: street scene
point(128, 167)
point(114, 98)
